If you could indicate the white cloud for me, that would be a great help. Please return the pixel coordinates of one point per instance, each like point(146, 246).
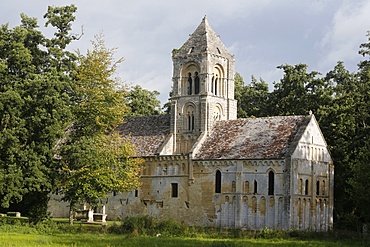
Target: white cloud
point(348, 30)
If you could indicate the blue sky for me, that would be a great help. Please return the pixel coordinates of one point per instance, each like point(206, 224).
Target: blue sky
point(261, 34)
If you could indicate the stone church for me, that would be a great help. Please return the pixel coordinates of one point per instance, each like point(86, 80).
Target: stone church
point(204, 167)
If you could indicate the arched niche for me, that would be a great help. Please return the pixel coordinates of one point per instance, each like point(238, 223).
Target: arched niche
point(190, 81)
point(217, 85)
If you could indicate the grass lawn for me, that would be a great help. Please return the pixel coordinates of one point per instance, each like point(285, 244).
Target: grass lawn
point(11, 239)
point(18, 234)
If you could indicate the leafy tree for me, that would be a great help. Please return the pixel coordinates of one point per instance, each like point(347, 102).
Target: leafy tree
point(337, 124)
point(95, 159)
point(360, 140)
point(254, 99)
point(143, 102)
point(238, 94)
point(34, 107)
point(290, 95)
point(167, 106)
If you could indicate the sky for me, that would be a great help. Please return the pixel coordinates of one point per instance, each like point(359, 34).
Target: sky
point(261, 34)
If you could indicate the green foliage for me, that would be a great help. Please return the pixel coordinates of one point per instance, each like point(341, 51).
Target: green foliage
point(167, 106)
point(143, 102)
point(34, 106)
point(98, 104)
point(147, 225)
point(299, 91)
point(252, 99)
point(95, 160)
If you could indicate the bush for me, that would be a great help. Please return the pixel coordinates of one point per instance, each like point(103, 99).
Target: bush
point(170, 227)
point(147, 225)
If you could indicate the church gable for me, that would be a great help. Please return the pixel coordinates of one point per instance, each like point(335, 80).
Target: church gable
point(147, 133)
point(311, 143)
point(252, 138)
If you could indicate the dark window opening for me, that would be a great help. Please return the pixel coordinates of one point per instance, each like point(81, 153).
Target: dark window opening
point(216, 86)
point(192, 122)
point(189, 122)
point(255, 187)
point(318, 188)
point(212, 84)
point(271, 183)
point(175, 191)
point(197, 86)
point(190, 85)
point(306, 188)
point(218, 182)
point(136, 193)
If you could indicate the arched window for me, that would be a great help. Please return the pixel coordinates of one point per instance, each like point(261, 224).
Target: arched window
point(189, 74)
point(190, 85)
point(318, 187)
point(246, 187)
point(323, 190)
point(213, 85)
point(233, 186)
point(271, 186)
point(218, 182)
point(197, 86)
point(301, 186)
point(192, 122)
point(306, 187)
point(216, 81)
point(189, 118)
point(255, 187)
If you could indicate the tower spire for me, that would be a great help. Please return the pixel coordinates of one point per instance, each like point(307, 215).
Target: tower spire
point(203, 86)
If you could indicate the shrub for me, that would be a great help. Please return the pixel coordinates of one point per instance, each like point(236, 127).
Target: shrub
point(141, 225)
point(170, 227)
point(147, 225)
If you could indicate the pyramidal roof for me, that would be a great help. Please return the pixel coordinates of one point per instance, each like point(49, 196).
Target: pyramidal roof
point(203, 40)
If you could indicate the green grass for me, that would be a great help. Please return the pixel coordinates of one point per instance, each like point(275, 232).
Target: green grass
point(17, 233)
point(111, 240)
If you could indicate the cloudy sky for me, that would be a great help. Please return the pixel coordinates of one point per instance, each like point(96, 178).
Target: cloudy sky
point(262, 34)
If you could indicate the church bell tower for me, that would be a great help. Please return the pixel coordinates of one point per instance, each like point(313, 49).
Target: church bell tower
point(203, 87)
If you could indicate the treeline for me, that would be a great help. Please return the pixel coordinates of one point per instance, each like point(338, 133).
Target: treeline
point(340, 101)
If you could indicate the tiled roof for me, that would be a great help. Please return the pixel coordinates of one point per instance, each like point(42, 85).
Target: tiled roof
point(146, 133)
point(252, 138)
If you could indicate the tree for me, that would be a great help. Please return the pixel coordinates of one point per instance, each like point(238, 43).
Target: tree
point(360, 140)
point(167, 106)
point(299, 92)
point(253, 98)
point(143, 102)
point(34, 107)
point(238, 94)
point(95, 160)
point(337, 124)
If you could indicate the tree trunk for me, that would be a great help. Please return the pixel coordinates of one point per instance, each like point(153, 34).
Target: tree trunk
point(71, 211)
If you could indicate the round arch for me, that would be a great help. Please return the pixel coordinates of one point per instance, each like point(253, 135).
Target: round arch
point(190, 82)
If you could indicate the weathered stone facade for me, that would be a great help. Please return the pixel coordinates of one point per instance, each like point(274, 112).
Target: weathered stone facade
point(205, 167)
